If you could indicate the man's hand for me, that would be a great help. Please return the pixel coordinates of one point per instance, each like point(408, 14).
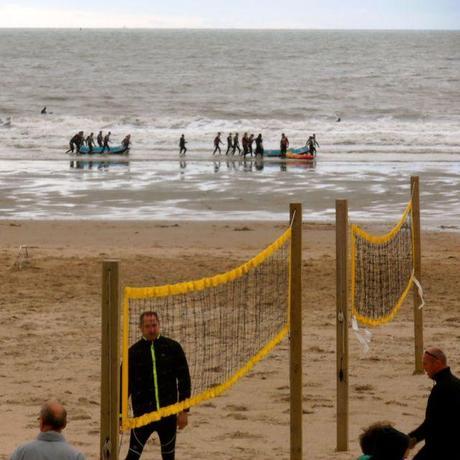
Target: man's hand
point(182, 420)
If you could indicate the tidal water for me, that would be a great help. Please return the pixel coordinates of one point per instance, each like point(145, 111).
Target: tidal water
point(397, 94)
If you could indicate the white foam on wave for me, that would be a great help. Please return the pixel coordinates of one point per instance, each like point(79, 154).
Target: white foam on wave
point(47, 136)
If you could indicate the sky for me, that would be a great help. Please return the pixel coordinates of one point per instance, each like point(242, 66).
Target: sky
point(216, 14)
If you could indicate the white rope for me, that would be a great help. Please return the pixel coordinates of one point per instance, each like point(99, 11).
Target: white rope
point(364, 336)
point(419, 290)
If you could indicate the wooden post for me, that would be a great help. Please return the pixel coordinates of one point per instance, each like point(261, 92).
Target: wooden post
point(418, 314)
point(295, 324)
point(110, 363)
point(341, 219)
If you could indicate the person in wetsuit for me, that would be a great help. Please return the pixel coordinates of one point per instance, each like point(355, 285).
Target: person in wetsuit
point(244, 143)
point(217, 143)
point(182, 147)
point(250, 142)
point(312, 143)
point(126, 142)
point(315, 143)
point(229, 143)
point(259, 145)
point(76, 142)
point(100, 139)
point(158, 377)
point(90, 142)
point(236, 144)
point(106, 142)
point(284, 144)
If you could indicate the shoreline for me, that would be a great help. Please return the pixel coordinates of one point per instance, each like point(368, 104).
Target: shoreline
point(216, 191)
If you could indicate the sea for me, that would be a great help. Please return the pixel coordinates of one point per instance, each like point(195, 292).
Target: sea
point(384, 105)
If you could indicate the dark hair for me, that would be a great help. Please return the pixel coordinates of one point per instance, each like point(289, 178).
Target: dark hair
point(383, 442)
point(147, 313)
point(57, 420)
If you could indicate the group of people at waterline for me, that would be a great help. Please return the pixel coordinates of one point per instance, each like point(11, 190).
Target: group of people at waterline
point(246, 147)
point(247, 144)
point(78, 140)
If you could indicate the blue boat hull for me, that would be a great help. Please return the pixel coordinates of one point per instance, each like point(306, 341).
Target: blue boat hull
point(299, 153)
point(114, 150)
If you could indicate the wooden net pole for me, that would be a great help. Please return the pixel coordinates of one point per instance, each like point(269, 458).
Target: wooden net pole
point(110, 363)
point(341, 212)
point(418, 313)
point(295, 323)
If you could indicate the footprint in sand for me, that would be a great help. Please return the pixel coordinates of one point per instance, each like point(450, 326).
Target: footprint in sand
point(236, 416)
point(236, 407)
point(396, 403)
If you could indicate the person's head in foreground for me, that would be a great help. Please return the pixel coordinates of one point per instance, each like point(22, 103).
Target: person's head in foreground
point(380, 441)
point(434, 361)
point(53, 417)
point(50, 443)
point(149, 324)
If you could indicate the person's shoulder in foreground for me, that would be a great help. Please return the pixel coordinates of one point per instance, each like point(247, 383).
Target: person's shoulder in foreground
point(50, 443)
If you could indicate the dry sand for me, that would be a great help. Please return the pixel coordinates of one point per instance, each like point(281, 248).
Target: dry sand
point(50, 335)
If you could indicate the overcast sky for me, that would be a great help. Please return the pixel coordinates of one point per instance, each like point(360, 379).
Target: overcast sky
point(286, 14)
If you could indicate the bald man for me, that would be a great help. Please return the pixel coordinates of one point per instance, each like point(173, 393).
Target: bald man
point(441, 426)
point(50, 443)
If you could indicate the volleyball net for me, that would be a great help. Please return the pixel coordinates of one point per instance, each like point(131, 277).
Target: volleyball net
point(382, 270)
point(225, 324)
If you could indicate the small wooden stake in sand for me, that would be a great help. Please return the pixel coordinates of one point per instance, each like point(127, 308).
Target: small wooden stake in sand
point(22, 258)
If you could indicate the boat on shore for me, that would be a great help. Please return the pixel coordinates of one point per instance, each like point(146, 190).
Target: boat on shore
point(113, 150)
point(301, 153)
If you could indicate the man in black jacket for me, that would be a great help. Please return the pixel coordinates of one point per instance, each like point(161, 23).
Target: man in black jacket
point(440, 428)
point(158, 377)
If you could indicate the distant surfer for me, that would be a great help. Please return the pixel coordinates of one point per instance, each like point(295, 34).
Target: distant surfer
point(90, 142)
point(106, 142)
point(339, 120)
point(100, 139)
point(43, 111)
point(183, 148)
point(217, 143)
point(284, 144)
point(5, 123)
point(229, 143)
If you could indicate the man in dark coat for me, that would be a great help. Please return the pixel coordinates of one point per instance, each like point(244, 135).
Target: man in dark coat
point(440, 428)
point(158, 377)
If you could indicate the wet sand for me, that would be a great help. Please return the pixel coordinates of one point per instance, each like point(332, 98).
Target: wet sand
point(226, 189)
point(50, 335)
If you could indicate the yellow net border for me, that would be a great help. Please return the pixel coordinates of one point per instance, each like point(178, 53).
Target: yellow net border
point(378, 239)
point(183, 288)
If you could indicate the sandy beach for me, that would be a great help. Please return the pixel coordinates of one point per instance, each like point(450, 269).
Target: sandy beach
point(50, 335)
